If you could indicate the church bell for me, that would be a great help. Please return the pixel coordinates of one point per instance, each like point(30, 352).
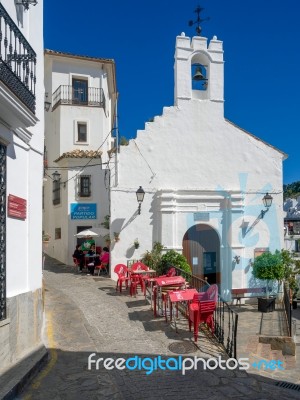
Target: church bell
point(198, 75)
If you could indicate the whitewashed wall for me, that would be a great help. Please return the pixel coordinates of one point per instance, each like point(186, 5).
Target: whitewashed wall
point(24, 170)
point(60, 138)
point(191, 159)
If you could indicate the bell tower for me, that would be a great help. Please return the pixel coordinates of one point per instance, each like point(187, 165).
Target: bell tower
point(199, 69)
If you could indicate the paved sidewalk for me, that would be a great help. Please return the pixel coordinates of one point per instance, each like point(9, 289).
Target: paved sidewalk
point(85, 315)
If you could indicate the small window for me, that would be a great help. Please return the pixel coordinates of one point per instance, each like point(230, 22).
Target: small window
point(85, 186)
point(81, 132)
point(57, 233)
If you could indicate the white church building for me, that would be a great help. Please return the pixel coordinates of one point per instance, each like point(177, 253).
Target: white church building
point(204, 179)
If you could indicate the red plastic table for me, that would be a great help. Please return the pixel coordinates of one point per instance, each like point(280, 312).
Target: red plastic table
point(178, 296)
point(162, 281)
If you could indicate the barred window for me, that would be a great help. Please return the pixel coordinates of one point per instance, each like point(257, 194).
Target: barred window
point(85, 186)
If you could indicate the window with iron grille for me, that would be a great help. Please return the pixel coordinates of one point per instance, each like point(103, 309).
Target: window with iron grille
point(81, 132)
point(85, 186)
point(56, 192)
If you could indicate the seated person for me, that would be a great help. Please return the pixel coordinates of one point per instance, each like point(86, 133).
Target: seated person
point(104, 258)
point(78, 254)
point(92, 251)
point(91, 264)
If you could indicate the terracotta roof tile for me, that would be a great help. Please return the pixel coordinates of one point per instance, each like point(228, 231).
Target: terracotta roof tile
point(80, 154)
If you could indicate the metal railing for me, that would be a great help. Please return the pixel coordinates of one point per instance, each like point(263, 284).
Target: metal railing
point(17, 61)
point(67, 94)
point(226, 319)
point(287, 304)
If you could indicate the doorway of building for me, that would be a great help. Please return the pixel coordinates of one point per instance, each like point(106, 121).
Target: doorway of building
point(201, 247)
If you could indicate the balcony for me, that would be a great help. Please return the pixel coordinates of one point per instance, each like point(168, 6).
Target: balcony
point(67, 94)
point(17, 63)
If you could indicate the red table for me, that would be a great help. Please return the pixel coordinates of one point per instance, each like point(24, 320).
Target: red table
point(163, 281)
point(178, 296)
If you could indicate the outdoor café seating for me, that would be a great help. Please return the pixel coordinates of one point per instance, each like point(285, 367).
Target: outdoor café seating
point(122, 271)
point(138, 276)
point(202, 308)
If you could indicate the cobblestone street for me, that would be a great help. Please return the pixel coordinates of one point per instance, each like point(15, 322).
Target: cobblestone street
point(85, 314)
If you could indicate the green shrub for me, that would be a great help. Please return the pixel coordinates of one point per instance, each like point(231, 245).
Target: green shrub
point(172, 258)
point(152, 258)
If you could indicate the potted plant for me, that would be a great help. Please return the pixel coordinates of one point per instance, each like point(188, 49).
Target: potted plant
point(46, 239)
point(268, 267)
point(136, 244)
point(106, 221)
point(107, 239)
point(116, 236)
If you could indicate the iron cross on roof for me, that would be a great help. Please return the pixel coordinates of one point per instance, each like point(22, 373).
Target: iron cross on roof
point(198, 20)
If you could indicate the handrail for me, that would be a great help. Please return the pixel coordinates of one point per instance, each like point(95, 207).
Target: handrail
point(226, 319)
point(17, 61)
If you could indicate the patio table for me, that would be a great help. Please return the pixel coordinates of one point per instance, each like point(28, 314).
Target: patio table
point(178, 296)
point(165, 281)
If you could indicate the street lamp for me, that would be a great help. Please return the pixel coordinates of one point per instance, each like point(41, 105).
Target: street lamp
point(267, 201)
point(140, 197)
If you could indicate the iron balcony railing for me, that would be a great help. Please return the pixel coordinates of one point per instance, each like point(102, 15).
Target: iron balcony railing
point(67, 94)
point(225, 318)
point(17, 61)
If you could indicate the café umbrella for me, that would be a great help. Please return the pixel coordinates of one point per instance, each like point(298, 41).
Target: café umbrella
point(87, 233)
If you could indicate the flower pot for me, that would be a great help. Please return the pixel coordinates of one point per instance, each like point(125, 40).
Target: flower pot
point(266, 304)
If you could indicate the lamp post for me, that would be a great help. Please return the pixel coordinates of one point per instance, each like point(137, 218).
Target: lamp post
point(267, 201)
point(140, 197)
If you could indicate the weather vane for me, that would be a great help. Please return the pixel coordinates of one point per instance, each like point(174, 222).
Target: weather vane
point(198, 20)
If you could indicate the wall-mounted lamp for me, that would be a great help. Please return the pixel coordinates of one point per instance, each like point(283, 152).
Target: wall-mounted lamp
point(140, 197)
point(26, 3)
point(237, 259)
point(267, 201)
point(47, 104)
point(56, 178)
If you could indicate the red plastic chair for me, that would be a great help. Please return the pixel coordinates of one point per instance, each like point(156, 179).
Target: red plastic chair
point(138, 279)
point(202, 308)
point(122, 272)
point(76, 263)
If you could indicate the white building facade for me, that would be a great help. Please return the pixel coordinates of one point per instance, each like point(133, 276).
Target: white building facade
point(21, 159)
point(81, 92)
point(204, 179)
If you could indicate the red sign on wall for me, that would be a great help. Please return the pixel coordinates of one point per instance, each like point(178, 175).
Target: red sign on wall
point(16, 207)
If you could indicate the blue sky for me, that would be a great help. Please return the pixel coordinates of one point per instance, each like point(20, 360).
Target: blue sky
point(261, 53)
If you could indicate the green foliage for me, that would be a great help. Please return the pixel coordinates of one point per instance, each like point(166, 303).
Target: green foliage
point(291, 269)
point(106, 221)
point(162, 262)
point(172, 258)
point(124, 141)
point(292, 190)
point(269, 266)
point(152, 258)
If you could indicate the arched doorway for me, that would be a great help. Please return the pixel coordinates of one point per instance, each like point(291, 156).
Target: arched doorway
point(201, 247)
